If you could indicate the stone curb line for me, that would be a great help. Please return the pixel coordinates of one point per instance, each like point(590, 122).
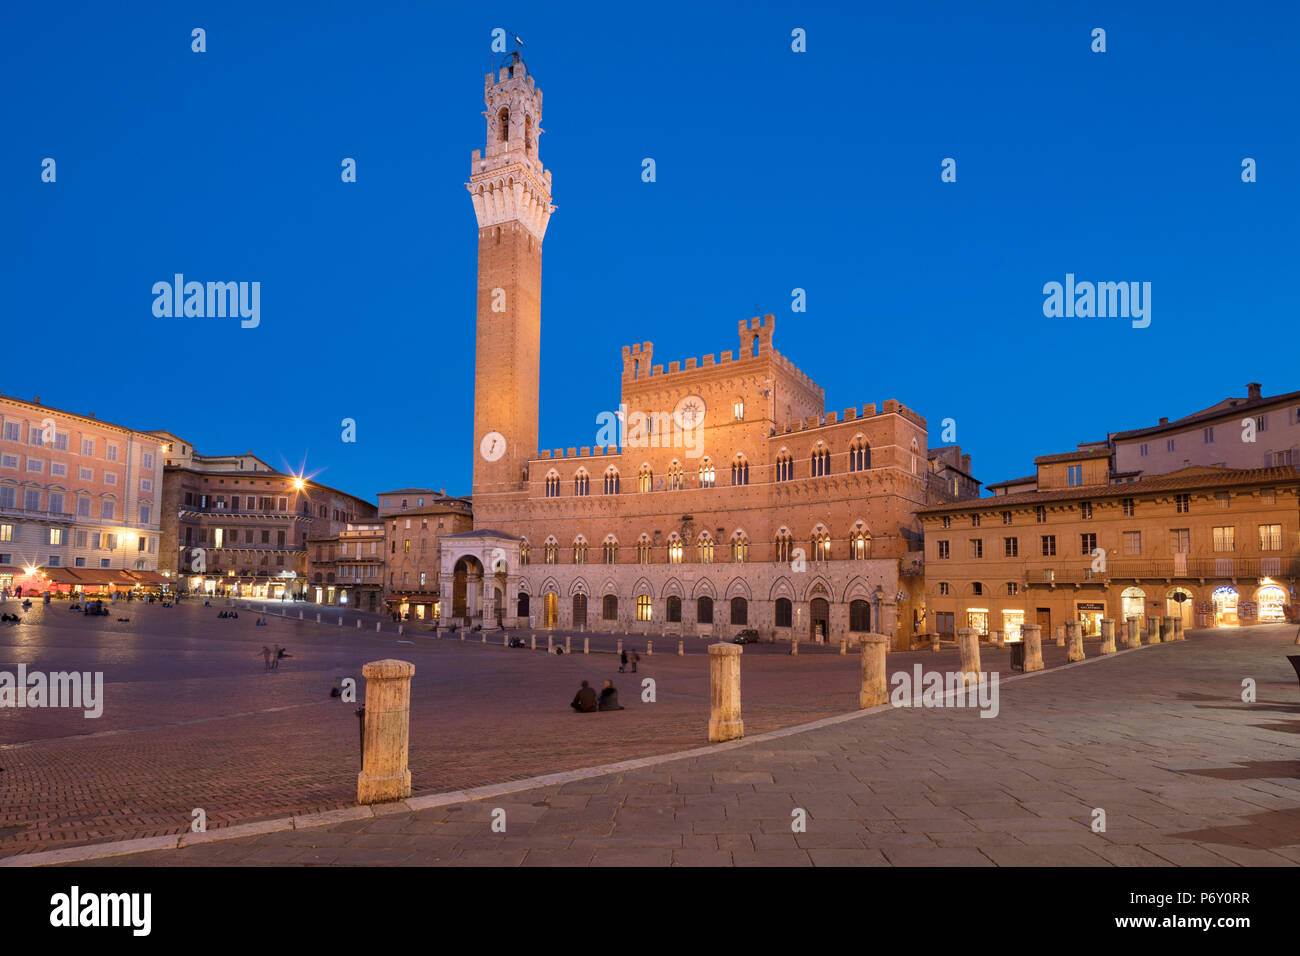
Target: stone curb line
point(97, 851)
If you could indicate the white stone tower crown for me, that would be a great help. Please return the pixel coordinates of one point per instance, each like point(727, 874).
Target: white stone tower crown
point(507, 179)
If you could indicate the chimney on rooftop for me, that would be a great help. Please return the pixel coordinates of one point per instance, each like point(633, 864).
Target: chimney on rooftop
point(1164, 421)
point(36, 400)
point(1252, 389)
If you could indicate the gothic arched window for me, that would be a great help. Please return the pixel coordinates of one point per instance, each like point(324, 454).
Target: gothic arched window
point(503, 125)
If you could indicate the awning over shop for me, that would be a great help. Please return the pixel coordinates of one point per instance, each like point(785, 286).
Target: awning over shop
point(101, 577)
point(61, 575)
point(150, 578)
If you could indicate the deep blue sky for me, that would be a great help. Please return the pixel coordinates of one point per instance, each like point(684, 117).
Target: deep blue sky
point(776, 170)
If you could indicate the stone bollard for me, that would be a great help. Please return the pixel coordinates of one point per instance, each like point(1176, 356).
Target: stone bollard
point(532, 646)
point(968, 642)
point(934, 642)
point(1107, 635)
point(844, 647)
point(1033, 637)
point(1133, 634)
point(566, 643)
point(339, 620)
point(619, 648)
point(1178, 629)
point(681, 648)
point(400, 629)
point(875, 686)
point(586, 645)
point(1060, 635)
point(376, 626)
point(649, 648)
point(549, 648)
point(1074, 641)
point(483, 640)
point(462, 635)
point(724, 693)
point(384, 774)
point(1166, 629)
point(997, 638)
point(1153, 631)
point(318, 617)
point(794, 647)
point(300, 615)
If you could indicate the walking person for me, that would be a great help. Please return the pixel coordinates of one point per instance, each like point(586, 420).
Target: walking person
point(275, 658)
point(266, 656)
point(622, 662)
point(636, 659)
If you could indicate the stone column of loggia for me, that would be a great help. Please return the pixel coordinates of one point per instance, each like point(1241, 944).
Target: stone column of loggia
point(384, 774)
point(1074, 641)
point(1153, 631)
point(724, 693)
point(1060, 635)
point(1166, 629)
point(1033, 637)
point(875, 685)
point(968, 642)
point(1107, 635)
point(1133, 634)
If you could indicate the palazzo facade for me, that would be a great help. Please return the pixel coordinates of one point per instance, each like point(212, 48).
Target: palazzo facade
point(721, 496)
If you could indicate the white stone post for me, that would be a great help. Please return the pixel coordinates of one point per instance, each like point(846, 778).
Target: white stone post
point(384, 774)
point(968, 642)
point(586, 645)
point(1133, 635)
point(1178, 627)
point(1153, 631)
point(934, 642)
point(875, 687)
point(1060, 635)
point(1033, 635)
point(1074, 641)
point(724, 693)
point(1107, 635)
point(1166, 628)
point(649, 648)
point(681, 648)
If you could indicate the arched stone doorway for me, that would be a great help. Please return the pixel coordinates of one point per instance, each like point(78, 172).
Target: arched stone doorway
point(1225, 606)
point(819, 616)
point(1273, 603)
point(1180, 609)
point(467, 588)
point(1132, 603)
point(550, 610)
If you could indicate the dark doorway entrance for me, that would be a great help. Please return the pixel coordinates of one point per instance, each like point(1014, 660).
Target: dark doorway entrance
point(580, 611)
point(819, 613)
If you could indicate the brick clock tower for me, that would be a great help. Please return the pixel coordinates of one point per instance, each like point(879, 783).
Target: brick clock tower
point(512, 202)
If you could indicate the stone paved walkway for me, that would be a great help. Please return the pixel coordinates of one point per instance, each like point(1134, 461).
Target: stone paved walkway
point(1159, 739)
point(193, 720)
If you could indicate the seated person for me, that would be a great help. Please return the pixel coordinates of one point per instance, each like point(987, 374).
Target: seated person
point(584, 702)
point(609, 697)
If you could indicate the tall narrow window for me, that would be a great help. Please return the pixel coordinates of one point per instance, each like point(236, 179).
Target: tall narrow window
point(503, 125)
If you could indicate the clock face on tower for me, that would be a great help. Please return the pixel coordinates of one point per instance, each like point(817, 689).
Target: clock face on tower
point(493, 446)
point(689, 412)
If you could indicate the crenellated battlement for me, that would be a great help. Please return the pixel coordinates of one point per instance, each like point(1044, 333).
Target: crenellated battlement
point(889, 407)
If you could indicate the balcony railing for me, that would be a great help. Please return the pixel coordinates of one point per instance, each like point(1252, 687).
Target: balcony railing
point(1281, 566)
point(35, 515)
